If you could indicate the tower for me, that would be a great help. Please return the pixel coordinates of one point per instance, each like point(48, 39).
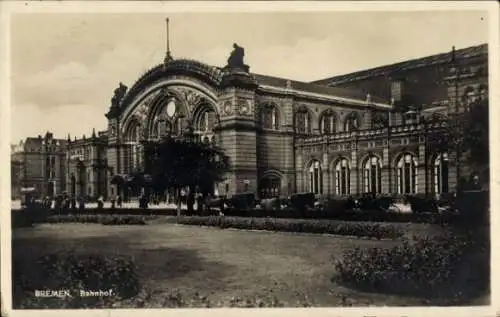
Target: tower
point(237, 129)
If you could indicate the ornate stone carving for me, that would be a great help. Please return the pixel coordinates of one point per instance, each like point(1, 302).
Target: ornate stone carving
point(227, 108)
point(141, 112)
point(190, 96)
point(244, 108)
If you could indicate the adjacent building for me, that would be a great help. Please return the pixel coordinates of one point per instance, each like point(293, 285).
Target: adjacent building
point(40, 163)
point(87, 166)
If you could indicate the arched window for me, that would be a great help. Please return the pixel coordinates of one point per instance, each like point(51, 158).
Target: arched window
point(303, 121)
point(372, 178)
point(342, 177)
point(351, 122)
point(133, 141)
point(441, 174)
point(328, 123)
point(206, 121)
point(315, 178)
point(407, 174)
point(269, 117)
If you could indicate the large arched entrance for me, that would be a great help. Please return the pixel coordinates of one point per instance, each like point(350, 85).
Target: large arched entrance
point(270, 186)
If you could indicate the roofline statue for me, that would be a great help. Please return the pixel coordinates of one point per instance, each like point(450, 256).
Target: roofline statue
point(118, 95)
point(235, 60)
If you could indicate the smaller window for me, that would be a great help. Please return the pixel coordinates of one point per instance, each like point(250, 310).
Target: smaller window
point(269, 117)
point(303, 121)
point(351, 123)
point(328, 123)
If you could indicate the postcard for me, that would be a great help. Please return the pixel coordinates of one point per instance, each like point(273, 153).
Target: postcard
point(275, 158)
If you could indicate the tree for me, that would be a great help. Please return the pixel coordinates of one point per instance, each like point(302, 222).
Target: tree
point(177, 164)
point(467, 135)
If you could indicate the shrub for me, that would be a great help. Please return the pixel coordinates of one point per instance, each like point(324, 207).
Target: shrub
point(287, 225)
point(437, 267)
point(74, 273)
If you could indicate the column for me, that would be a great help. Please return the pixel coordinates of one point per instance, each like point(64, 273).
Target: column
point(421, 181)
point(353, 173)
point(299, 173)
point(386, 173)
point(324, 174)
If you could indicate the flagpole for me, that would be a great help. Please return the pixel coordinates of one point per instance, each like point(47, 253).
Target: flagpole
point(168, 55)
point(168, 37)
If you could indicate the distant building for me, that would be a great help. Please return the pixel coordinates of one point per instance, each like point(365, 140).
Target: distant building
point(16, 169)
point(87, 166)
point(39, 162)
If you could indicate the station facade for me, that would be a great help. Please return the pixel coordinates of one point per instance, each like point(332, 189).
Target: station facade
point(363, 132)
point(343, 135)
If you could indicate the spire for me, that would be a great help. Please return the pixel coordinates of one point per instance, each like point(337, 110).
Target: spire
point(168, 55)
point(453, 54)
point(93, 133)
point(69, 138)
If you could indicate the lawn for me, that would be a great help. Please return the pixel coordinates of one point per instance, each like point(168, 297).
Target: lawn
point(220, 264)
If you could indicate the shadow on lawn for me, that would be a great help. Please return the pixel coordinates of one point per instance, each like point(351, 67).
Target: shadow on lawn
point(155, 268)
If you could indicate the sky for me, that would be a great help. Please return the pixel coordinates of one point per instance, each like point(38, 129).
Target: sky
point(65, 67)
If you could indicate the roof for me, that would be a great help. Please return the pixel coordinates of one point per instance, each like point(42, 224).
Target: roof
point(214, 75)
point(314, 88)
point(210, 73)
point(30, 141)
point(441, 58)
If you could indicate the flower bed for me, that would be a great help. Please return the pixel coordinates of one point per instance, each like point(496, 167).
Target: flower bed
point(450, 267)
point(287, 225)
point(73, 273)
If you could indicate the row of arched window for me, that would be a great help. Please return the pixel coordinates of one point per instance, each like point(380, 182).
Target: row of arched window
point(328, 122)
point(406, 173)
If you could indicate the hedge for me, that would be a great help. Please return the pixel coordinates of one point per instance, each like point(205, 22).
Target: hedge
point(448, 267)
point(287, 225)
point(22, 219)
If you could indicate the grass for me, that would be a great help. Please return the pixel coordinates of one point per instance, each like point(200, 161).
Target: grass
point(219, 264)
